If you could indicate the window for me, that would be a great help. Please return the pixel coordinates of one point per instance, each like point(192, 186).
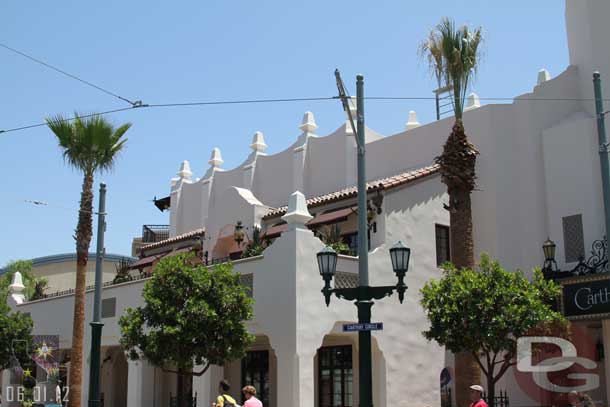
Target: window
point(255, 372)
point(351, 240)
point(443, 251)
point(108, 307)
point(335, 376)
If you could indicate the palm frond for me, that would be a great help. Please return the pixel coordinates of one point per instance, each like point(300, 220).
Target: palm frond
point(430, 50)
point(88, 144)
point(454, 55)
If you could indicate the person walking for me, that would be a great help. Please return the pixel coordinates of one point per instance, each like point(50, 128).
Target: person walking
point(476, 396)
point(224, 399)
point(250, 395)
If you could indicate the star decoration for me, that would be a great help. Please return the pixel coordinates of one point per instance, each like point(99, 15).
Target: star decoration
point(44, 351)
point(27, 372)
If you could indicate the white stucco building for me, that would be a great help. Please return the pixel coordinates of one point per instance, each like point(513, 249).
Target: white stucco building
point(538, 177)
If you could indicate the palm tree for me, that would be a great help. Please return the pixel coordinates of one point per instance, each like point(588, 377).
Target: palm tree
point(89, 144)
point(453, 55)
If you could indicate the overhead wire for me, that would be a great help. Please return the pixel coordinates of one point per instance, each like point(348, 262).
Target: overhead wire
point(140, 105)
point(61, 71)
point(54, 205)
point(67, 119)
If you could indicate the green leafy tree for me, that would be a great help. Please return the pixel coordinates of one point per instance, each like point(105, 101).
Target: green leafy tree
point(89, 145)
point(484, 312)
point(192, 316)
point(29, 280)
point(454, 55)
point(15, 335)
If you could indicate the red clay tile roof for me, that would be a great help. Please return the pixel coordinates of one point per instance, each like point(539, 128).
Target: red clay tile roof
point(383, 183)
point(179, 238)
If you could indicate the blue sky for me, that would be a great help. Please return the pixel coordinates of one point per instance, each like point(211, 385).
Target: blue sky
point(163, 52)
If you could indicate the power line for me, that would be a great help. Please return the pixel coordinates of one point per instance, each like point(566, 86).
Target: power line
point(514, 99)
point(238, 102)
point(140, 105)
point(136, 103)
point(52, 205)
point(31, 126)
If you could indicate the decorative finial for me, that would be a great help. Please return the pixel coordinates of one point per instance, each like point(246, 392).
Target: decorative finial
point(215, 158)
point(543, 76)
point(412, 122)
point(472, 102)
point(258, 142)
point(16, 288)
point(309, 123)
point(185, 170)
point(298, 214)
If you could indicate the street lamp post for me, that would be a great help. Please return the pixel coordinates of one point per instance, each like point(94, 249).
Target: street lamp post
point(364, 294)
point(97, 324)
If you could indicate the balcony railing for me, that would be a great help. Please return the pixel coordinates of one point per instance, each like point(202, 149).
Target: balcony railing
point(154, 233)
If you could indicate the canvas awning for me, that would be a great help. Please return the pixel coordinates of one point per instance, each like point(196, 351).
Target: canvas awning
point(144, 262)
point(275, 231)
point(332, 217)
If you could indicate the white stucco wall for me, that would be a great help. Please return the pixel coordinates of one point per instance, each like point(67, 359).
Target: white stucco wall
point(573, 180)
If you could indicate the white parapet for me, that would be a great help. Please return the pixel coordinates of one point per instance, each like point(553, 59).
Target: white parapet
point(185, 170)
point(472, 102)
point(258, 142)
point(298, 214)
point(215, 158)
point(16, 288)
point(308, 125)
point(412, 122)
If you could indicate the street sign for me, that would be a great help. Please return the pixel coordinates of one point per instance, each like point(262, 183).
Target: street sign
point(371, 326)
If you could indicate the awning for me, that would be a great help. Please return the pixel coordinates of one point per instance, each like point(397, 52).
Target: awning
point(275, 231)
point(332, 217)
point(162, 204)
point(144, 262)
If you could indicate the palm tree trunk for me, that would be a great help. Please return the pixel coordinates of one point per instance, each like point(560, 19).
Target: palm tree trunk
point(467, 369)
point(458, 163)
point(460, 221)
point(84, 230)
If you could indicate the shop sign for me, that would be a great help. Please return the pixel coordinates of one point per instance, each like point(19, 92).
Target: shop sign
point(590, 298)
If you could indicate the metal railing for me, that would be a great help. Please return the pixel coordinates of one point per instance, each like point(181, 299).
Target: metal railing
point(499, 401)
point(245, 279)
point(154, 233)
point(88, 288)
point(443, 99)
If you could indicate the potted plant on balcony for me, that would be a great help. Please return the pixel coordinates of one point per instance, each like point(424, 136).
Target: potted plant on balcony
point(256, 245)
point(331, 236)
point(122, 272)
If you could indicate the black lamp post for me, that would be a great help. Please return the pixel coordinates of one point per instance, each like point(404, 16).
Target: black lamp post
point(238, 233)
point(550, 265)
point(327, 258)
point(363, 296)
